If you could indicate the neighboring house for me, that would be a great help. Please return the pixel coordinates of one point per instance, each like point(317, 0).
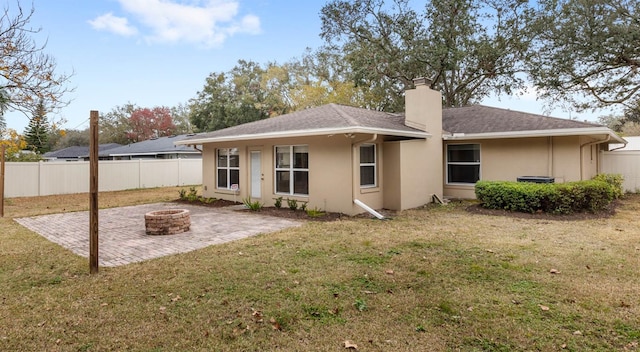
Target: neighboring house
point(331, 155)
point(156, 148)
point(76, 153)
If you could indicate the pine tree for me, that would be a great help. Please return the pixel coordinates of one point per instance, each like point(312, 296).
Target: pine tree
point(37, 132)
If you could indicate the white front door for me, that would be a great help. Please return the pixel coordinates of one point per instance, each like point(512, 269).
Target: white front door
point(256, 174)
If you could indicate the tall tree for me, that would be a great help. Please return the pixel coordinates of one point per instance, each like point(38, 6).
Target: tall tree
point(469, 48)
point(230, 99)
point(180, 116)
point(15, 144)
point(37, 132)
point(61, 139)
point(148, 123)
point(27, 75)
point(4, 102)
point(114, 125)
point(322, 77)
point(587, 53)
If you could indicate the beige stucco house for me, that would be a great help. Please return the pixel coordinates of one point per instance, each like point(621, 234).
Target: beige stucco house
point(332, 155)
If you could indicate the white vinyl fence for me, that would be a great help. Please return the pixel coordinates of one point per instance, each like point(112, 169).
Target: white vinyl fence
point(626, 163)
point(47, 178)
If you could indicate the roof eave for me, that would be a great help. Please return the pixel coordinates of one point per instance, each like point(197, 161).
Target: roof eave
point(537, 133)
point(306, 133)
point(160, 152)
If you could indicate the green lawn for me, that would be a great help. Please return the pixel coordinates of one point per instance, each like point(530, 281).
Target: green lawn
point(432, 279)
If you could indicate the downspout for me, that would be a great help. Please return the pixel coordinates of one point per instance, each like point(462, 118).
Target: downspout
point(550, 157)
point(623, 145)
point(194, 146)
point(597, 157)
point(354, 198)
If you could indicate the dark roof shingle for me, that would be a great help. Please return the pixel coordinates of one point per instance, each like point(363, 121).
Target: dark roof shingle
point(161, 145)
point(78, 151)
point(485, 119)
point(329, 116)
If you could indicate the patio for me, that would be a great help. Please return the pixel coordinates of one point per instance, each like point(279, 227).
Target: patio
point(122, 238)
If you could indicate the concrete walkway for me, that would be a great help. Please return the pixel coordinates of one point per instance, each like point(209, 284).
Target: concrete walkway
point(122, 238)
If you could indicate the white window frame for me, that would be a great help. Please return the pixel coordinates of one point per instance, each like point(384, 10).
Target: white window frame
point(374, 164)
point(467, 163)
point(228, 168)
point(291, 169)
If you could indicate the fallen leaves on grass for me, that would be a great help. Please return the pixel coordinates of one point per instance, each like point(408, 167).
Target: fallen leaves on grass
point(274, 324)
point(350, 345)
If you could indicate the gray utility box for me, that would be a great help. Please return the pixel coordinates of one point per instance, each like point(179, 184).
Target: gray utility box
point(536, 179)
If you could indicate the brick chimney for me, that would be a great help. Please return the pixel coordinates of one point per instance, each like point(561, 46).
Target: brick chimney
point(423, 108)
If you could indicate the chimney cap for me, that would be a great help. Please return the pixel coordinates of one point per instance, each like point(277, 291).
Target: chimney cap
point(422, 81)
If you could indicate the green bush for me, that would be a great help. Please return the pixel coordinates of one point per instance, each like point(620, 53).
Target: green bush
point(278, 203)
point(615, 180)
point(292, 203)
point(192, 196)
point(557, 198)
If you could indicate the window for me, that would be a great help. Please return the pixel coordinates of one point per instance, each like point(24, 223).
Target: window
point(463, 163)
point(292, 169)
point(368, 165)
point(228, 167)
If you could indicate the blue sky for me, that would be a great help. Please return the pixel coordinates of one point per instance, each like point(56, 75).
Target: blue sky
point(159, 52)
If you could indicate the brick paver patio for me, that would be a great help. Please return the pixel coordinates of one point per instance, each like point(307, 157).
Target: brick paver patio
point(122, 237)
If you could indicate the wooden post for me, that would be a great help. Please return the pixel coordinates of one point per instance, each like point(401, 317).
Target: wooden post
point(2, 149)
point(93, 193)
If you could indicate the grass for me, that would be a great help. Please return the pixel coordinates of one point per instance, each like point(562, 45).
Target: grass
point(436, 278)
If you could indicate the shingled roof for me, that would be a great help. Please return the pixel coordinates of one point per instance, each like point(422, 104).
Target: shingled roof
point(476, 121)
point(479, 121)
point(155, 146)
point(322, 120)
point(77, 152)
point(486, 119)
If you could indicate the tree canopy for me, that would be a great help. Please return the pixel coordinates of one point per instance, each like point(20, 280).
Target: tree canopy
point(468, 49)
point(37, 133)
point(231, 98)
point(586, 52)
point(27, 75)
point(148, 123)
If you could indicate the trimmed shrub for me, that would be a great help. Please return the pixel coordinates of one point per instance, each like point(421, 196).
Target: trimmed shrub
point(615, 180)
point(556, 198)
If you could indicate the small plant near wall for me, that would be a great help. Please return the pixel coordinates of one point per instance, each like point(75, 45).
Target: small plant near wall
point(253, 206)
point(303, 206)
point(278, 203)
point(293, 204)
point(192, 196)
point(315, 212)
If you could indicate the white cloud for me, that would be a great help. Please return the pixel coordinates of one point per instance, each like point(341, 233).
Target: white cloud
point(204, 22)
point(111, 23)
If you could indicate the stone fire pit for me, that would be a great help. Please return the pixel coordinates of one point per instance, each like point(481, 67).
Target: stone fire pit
point(167, 222)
